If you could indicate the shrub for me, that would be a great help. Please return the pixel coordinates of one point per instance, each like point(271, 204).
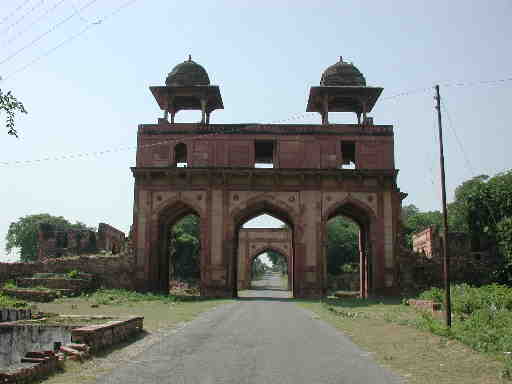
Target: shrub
point(74, 274)
point(482, 316)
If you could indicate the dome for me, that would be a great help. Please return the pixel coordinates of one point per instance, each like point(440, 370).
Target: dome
point(342, 74)
point(188, 73)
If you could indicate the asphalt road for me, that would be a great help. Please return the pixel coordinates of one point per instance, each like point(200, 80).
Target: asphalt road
point(262, 338)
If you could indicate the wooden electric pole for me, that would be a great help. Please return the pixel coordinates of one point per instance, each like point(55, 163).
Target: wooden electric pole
point(446, 255)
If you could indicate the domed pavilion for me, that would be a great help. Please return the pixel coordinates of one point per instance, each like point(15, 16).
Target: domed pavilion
point(342, 89)
point(187, 87)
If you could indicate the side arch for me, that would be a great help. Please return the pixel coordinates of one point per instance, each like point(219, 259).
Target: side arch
point(171, 212)
point(364, 216)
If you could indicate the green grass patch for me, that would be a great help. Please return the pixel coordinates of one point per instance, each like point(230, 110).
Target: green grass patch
point(481, 316)
point(9, 302)
point(401, 339)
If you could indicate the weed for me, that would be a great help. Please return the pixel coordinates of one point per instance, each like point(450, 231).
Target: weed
point(8, 302)
point(74, 274)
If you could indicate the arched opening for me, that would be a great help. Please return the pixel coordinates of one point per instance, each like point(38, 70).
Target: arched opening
point(180, 251)
point(268, 218)
point(180, 155)
point(348, 261)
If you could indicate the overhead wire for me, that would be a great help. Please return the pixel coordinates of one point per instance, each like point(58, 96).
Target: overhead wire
point(188, 137)
point(5, 18)
point(46, 33)
point(72, 37)
point(20, 19)
point(33, 23)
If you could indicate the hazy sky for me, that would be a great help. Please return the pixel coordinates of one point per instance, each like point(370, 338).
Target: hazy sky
point(88, 93)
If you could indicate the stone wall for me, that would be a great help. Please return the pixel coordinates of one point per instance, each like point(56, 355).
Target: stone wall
point(110, 271)
point(429, 242)
point(418, 273)
point(54, 242)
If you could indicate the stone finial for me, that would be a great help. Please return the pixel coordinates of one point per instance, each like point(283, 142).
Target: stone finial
point(189, 57)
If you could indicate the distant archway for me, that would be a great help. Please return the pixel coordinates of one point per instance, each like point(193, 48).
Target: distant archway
point(254, 209)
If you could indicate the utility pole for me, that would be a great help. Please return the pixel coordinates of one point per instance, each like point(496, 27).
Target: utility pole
point(446, 256)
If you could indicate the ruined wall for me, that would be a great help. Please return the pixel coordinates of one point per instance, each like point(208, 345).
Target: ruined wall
point(429, 242)
point(54, 242)
point(418, 273)
point(110, 271)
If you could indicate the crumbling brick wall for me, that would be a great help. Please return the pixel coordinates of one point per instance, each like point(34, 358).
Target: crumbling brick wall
point(110, 239)
point(54, 242)
point(418, 273)
point(429, 242)
point(110, 271)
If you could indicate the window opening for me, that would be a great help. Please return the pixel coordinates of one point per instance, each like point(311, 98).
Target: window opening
point(348, 155)
point(263, 154)
point(180, 155)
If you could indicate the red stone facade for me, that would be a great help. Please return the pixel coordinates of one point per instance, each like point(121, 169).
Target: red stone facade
point(312, 173)
point(252, 242)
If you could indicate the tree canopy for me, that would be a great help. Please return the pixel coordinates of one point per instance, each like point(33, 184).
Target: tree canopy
point(22, 234)
point(342, 244)
point(185, 249)
point(10, 106)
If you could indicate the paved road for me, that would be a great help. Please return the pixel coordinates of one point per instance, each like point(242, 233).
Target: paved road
point(262, 338)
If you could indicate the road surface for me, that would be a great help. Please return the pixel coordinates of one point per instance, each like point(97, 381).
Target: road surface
point(262, 338)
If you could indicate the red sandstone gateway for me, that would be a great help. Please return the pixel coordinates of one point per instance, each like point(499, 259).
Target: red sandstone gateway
point(311, 173)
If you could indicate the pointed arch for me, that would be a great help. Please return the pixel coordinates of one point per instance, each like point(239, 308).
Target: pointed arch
point(364, 216)
point(170, 214)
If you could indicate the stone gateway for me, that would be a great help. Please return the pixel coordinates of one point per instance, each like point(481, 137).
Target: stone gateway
point(303, 175)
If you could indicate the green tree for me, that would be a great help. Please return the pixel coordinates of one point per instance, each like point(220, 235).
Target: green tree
point(342, 244)
point(185, 249)
point(258, 268)
point(10, 105)
point(278, 261)
point(22, 234)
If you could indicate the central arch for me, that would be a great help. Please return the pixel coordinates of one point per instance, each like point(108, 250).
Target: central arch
point(276, 209)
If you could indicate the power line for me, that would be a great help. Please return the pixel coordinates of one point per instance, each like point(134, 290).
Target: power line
point(41, 36)
point(220, 131)
point(20, 19)
point(31, 25)
point(72, 37)
point(13, 12)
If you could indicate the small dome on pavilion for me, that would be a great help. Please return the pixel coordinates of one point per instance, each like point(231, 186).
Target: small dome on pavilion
point(342, 74)
point(188, 73)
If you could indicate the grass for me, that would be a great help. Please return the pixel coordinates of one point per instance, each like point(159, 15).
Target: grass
point(393, 334)
point(9, 302)
point(161, 315)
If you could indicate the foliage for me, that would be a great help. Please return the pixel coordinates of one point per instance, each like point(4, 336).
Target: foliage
point(482, 316)
point(185, 249)
point(74, 274)
point(279, 262)
point(10, 284)
point(10, 105)
point(258, 268)
point(123, 296)
point(342, 244)
point(9, 302)
point(22, 234)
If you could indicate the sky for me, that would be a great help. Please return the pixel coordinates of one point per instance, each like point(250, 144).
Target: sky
point(82, 68)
